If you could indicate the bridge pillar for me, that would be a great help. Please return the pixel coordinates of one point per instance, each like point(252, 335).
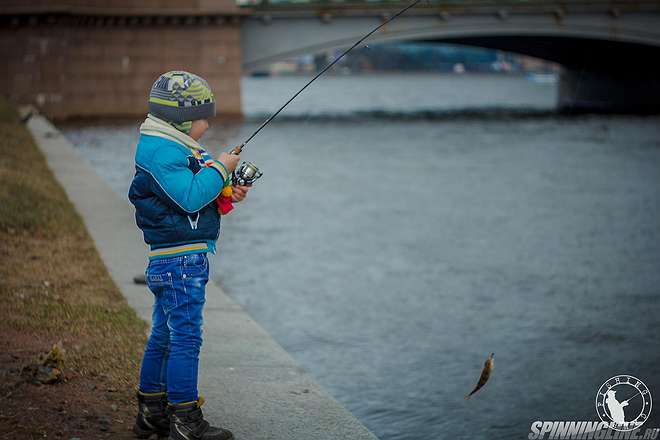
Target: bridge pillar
point(79, 65)
point(621, 92)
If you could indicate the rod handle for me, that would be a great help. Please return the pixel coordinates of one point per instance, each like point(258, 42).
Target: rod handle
point(236, 150)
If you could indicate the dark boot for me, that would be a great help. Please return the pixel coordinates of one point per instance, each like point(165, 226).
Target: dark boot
point(152, 415)
point(187, 423)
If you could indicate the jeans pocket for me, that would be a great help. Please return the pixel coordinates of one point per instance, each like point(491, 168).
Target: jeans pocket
point(195, 265)
point(157, 281)
point(161, 285)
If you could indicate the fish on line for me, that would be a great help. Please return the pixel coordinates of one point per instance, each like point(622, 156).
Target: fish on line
point(485, 375)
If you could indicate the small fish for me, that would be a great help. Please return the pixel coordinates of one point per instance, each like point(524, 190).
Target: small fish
point(485, 374)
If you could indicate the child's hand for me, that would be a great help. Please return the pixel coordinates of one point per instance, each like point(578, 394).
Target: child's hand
point(230, 161)
point(239, 192)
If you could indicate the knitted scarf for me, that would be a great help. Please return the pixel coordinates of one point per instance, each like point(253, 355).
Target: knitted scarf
point(154, 126)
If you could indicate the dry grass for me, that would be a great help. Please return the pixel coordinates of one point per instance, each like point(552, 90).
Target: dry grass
point(55, 287)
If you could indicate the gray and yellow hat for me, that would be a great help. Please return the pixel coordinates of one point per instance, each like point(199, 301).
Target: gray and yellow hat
point(179, 97)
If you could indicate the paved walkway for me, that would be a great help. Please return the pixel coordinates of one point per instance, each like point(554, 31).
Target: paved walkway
point(251, 384)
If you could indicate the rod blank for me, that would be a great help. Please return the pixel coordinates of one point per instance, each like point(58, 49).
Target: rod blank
point(239, 148)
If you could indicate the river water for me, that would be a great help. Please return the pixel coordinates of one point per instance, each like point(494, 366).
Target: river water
point(401, 233)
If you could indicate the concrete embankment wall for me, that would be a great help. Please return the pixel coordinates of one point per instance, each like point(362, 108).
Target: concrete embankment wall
point(251, 384)
point(101, 61)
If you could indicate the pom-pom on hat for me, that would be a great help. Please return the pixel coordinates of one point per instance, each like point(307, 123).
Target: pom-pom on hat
point(178, 97)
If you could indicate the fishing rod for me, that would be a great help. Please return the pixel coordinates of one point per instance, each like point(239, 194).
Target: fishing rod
point(247, 173)
point(628, 400)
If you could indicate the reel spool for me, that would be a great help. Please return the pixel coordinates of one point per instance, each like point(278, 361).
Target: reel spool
point(246, 174)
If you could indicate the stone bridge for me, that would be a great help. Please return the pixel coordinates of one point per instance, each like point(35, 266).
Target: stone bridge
point(98, 58)
point(607, 49)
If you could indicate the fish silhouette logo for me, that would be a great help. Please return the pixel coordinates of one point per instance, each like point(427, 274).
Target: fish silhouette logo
point(624, 402)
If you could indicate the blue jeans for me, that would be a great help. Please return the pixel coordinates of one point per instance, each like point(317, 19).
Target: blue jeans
point(171, 357)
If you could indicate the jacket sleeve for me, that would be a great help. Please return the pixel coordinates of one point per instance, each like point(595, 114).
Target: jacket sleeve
point(189, 191)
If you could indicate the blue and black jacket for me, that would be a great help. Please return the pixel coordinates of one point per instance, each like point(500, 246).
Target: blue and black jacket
point(173, 194)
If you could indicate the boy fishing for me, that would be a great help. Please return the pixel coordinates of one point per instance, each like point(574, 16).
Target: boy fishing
point(179, 192)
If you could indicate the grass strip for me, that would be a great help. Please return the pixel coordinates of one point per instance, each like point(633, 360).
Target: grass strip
point(54, 287)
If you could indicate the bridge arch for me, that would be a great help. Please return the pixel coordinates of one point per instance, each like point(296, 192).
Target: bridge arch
point(605, 59)
point(519, 39)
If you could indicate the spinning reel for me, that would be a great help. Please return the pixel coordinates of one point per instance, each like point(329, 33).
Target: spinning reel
point(246, 174)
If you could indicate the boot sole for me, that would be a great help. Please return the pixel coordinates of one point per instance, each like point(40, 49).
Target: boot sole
point(231, 437)
point(171, 438)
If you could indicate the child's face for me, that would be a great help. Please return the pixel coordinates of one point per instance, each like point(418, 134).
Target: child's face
point(198, 128)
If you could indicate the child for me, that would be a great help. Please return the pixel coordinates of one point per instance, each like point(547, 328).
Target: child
point(176, 192)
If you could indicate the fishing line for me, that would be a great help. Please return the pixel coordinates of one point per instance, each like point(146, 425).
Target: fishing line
point(238, 149)
point(631, 398)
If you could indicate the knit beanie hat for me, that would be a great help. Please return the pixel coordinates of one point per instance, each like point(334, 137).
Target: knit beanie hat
point(180, 97)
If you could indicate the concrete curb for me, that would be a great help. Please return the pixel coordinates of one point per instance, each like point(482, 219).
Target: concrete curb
point(252, 386)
